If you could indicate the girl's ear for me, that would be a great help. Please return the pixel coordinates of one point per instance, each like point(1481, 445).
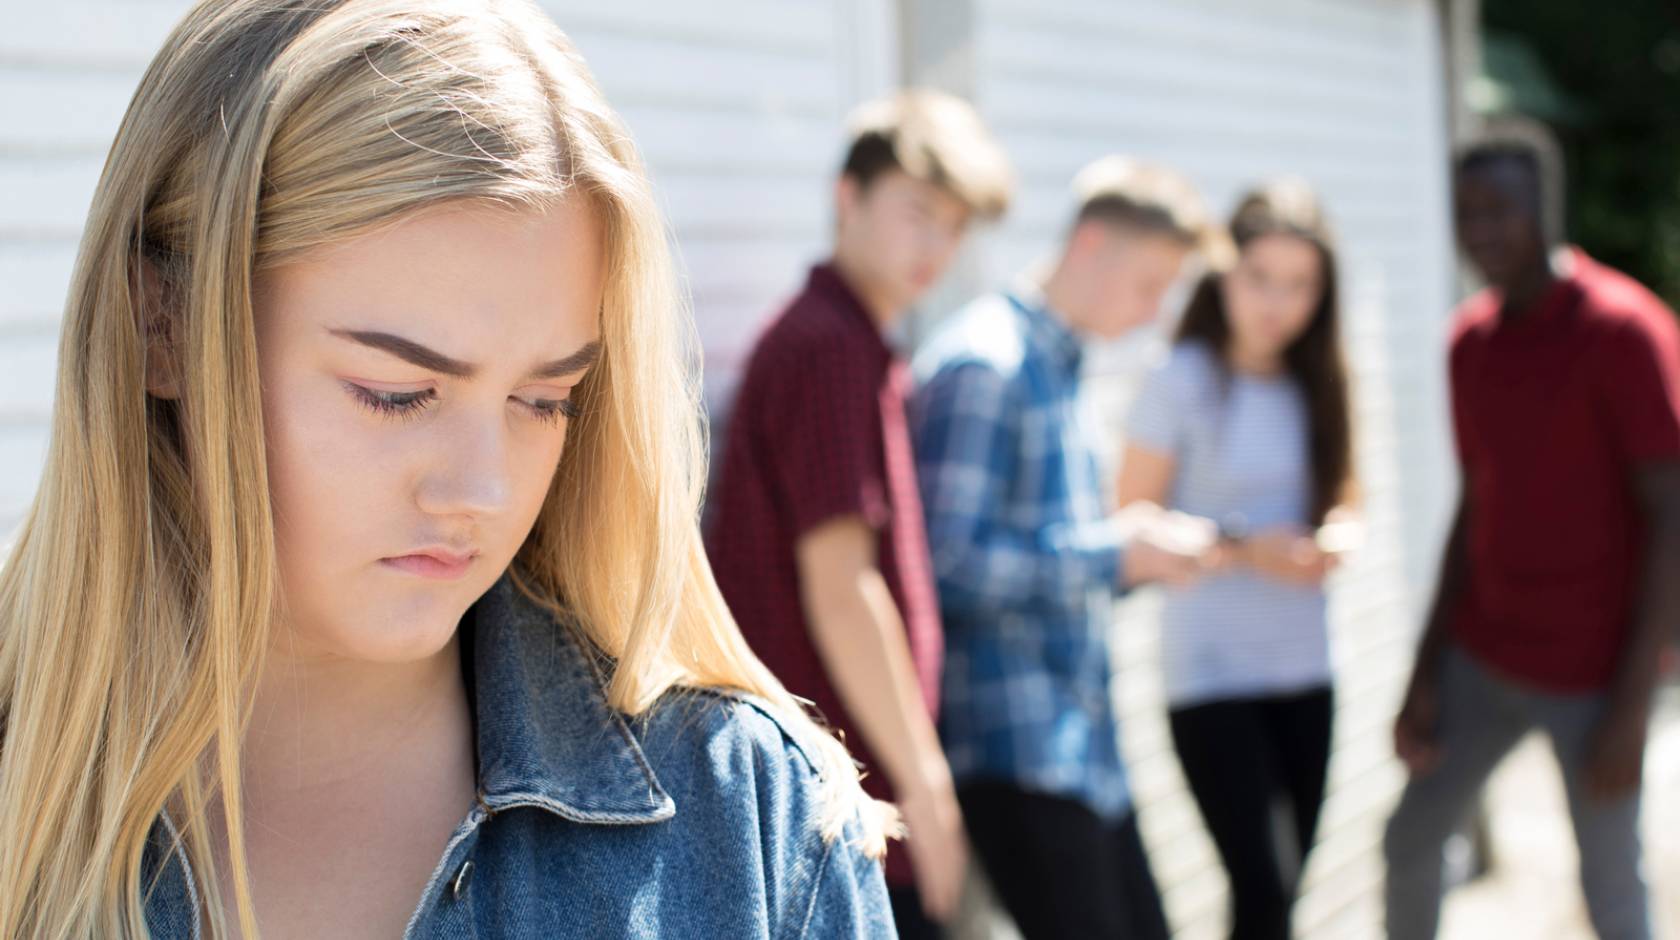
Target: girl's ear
point(158, 320)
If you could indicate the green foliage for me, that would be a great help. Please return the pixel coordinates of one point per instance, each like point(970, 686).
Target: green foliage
point(1618, 64)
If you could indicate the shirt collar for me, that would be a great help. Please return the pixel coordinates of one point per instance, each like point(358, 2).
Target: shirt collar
point(1047, 331)
point(826, 281)
point(1558, 299)
point(546, 735)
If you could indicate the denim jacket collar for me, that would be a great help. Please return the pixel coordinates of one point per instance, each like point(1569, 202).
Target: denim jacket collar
point(546, 738)
point(546, 735)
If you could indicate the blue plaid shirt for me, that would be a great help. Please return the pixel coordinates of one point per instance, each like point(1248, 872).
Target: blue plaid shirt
point(1026, 555)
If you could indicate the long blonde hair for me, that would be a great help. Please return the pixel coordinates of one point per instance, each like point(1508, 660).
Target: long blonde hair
point(136, 602)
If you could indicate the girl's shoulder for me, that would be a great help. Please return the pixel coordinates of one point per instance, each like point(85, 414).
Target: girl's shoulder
point(1190, 363)
point(703, 775)
point(725, 752)
point(1183, 377)
point(751, 791)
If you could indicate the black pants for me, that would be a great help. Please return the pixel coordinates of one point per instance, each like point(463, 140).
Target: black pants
point(1257, 769)
point(912, 924)
point(1063, 872)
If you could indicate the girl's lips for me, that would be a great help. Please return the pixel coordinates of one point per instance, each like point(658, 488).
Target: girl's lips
point(436, 566)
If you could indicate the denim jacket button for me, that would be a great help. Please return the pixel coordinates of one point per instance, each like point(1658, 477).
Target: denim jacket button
point(462, 879)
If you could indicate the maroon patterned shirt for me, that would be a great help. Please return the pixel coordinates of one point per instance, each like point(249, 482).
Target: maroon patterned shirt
point(818, 431)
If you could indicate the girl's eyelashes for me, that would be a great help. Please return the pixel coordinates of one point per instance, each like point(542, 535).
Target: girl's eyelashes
point(411, 404)
point(393, 404)
point(552, 410)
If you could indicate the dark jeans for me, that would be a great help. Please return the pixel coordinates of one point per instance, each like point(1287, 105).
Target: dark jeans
point(1245, 760)
point(912, 924)
point(1062, 871)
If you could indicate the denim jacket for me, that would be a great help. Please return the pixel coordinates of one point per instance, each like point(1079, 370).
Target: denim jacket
point(697, 820)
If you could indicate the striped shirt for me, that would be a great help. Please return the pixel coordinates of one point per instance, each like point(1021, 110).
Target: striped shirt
point(1240, 445)
point(1025, 555)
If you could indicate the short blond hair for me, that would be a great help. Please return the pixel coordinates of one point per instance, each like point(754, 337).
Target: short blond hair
point(934, 137)
point(1143, 197)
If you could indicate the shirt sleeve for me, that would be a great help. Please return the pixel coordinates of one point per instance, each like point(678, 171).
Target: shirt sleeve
point(1157, 418)
point(968, 452)
point(1458, 391)
point(826, 452)
point(1643, 389)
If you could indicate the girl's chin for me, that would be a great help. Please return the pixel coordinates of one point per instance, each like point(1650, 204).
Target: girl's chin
point(413, 626)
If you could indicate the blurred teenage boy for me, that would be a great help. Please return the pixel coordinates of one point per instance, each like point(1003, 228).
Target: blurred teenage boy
point(1029, 558)
point(816, 533)
point(1558, 585)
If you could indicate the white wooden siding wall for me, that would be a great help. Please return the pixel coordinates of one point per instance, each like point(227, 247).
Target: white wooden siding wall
point(739, 109)
point(737, 106)
point(1348, 94)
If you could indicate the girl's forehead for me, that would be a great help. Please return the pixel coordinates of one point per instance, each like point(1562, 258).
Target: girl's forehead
point(467, 278)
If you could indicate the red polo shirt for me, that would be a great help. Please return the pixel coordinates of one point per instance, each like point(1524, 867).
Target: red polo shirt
point(818, 431)
point(1553, 413)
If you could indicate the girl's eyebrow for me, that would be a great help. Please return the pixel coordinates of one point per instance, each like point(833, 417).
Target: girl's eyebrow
point(410, 351)
point(567, 365)
point(430, 359)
